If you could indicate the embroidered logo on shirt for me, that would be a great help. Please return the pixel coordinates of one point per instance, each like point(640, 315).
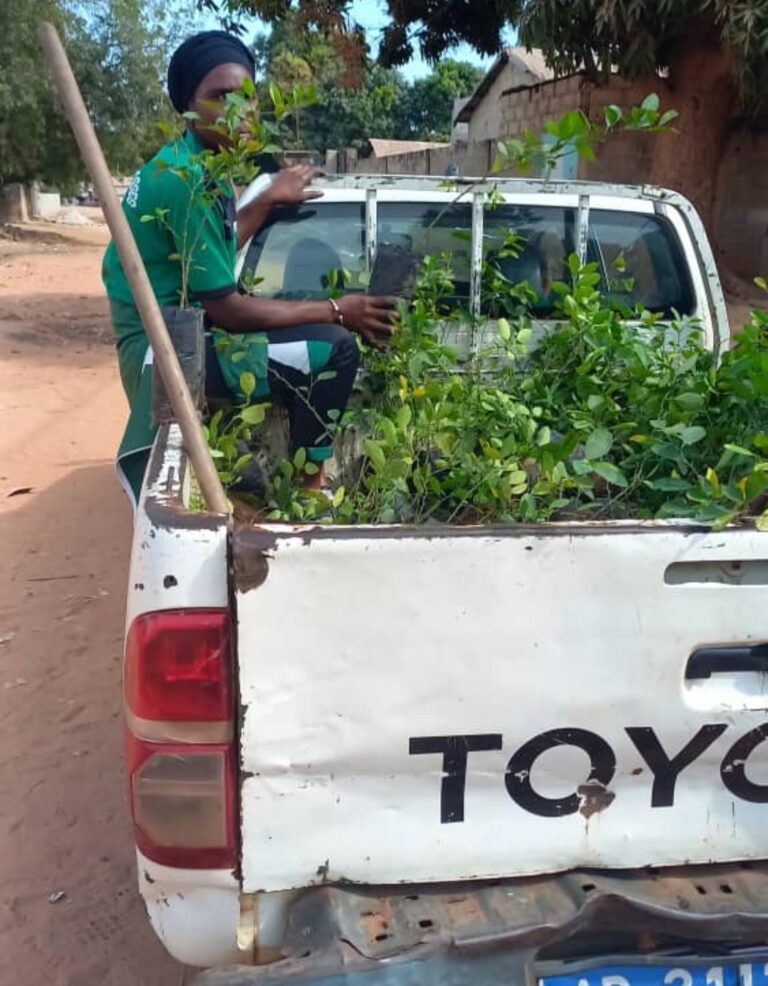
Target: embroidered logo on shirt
point(132, 195)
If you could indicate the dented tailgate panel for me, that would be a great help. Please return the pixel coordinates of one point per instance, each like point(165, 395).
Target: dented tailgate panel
point(496, 703)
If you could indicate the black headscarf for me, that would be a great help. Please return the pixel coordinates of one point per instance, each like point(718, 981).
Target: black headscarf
point(196, 57)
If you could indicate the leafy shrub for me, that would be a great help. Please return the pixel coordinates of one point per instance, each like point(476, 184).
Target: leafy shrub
point(611, 414)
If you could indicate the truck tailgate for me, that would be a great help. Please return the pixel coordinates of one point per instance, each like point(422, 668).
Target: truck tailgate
point(423, 706)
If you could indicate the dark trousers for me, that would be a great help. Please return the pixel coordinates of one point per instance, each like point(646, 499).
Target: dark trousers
point(311, 370)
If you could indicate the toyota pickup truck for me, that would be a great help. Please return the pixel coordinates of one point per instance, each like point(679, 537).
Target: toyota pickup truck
point(455, 755)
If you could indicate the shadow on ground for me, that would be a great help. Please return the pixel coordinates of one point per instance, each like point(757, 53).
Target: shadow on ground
point(64, 823)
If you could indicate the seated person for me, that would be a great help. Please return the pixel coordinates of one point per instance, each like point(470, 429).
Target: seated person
point(301, 338)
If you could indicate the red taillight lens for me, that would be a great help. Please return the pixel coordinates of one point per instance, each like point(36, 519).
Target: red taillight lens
point(178, 666)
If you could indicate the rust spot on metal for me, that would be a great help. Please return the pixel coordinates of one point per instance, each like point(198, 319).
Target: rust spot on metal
point(465, 912)
point(595, 797)
point(172, 514)
point(250, 552)
point(377, 924)
point(170, 581)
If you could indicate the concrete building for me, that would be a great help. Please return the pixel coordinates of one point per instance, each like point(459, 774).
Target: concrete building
point(514, 69)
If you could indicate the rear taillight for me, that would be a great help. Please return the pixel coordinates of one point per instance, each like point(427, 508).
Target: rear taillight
point(180, 749)
point(182, 798)
point(177, 666)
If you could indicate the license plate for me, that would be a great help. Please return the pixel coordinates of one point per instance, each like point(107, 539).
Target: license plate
point(724, 974)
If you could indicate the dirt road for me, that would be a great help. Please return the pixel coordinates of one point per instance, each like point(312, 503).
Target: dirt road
point(65, 536)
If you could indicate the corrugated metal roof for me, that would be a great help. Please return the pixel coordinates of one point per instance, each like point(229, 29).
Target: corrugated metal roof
point(385, 148)
point(534, 61)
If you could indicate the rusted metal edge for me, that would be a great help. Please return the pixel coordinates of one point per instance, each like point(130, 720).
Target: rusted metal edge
point(511, 932)
point(253, 546)
point(265, 537)
point(163, 503)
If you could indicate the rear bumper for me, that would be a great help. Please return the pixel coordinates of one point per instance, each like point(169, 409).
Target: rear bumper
point(508, 932)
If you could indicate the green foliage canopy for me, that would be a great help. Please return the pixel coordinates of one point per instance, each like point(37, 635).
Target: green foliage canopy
point(637, 36)
point(118, 50)
point(356, 98)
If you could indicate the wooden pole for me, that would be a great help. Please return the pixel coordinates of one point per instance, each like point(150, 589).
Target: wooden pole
point(165, 358)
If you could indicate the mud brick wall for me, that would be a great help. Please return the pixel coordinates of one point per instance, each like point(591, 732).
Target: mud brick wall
point(740, 224)
point(741, 206)
point(531, 108)
point(624, 159)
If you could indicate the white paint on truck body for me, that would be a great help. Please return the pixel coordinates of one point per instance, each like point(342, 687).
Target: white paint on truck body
point(195, 913)
point(174, 565)
point(359, 652)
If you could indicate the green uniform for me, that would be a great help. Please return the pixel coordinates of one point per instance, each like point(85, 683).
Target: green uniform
point(173, 212)
point(177, 214)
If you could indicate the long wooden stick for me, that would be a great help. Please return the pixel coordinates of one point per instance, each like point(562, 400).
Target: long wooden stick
point(165, 357)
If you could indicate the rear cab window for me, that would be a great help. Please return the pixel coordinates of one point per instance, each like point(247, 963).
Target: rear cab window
point(641, 261)
point(638, 254)
point(292, 257)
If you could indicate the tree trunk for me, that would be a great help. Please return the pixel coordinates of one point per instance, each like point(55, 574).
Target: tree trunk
point(702, 88)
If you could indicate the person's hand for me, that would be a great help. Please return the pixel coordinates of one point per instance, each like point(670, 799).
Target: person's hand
point(289, 187)
point(369, 316)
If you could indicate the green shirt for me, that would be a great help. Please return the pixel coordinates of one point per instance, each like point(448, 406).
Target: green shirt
point(179, 220)
point(189, 219)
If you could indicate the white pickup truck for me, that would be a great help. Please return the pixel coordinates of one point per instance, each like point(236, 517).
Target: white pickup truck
point(454, 755)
